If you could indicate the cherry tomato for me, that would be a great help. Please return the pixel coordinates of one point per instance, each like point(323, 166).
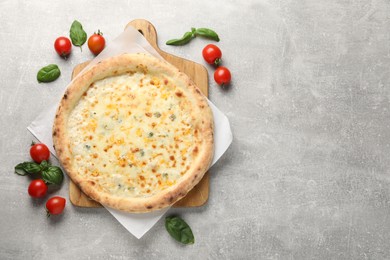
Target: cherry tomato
point(212, 54)
point(63, 46)
point(39, 153)
point(55, 205)
point(222, 75)
point(37, 189)
point(96, 42)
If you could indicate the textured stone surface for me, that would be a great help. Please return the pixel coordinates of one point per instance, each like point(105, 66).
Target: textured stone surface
point(307, 175)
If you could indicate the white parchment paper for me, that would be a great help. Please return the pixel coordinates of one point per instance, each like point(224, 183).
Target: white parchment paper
point(131, 41)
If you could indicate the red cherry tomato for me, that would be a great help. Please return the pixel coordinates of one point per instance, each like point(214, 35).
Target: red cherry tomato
point(63, 46)
point(37, 189)
point(222, 75)
point(39, 153)
point(96, 43)
point(212, 54)
point(55, 205)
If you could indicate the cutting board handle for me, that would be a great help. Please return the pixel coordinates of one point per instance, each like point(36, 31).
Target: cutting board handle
point(147, 30)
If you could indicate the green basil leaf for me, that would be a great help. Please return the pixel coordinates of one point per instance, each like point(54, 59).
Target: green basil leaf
point(26, 168)
point(207, 33)
point(53, 175)
point(49, 73)
point(77, 34)
point(179, 230)
point(44, 164)
point(183, 40)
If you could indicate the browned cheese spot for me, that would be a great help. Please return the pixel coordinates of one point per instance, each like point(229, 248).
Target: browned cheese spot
point(179, 94)
point(134, 150)
point(195, 151)
point(148, 114)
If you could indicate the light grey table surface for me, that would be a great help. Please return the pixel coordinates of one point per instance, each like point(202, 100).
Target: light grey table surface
point(307, 175)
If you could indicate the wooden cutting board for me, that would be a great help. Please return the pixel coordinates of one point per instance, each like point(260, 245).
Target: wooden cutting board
point(199, 194)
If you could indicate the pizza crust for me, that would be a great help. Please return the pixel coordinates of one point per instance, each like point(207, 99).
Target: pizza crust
point(200, 113)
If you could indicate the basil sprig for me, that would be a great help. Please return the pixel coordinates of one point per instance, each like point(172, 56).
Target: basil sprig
point(77, 34)
point(48, 73)
point(50, 174)
point(188, 36)
point(179, 230)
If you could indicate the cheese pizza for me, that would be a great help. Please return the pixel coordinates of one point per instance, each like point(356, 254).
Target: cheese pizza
point(134, 133)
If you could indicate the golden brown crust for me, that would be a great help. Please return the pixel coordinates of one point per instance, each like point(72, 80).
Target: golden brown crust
point(200, 112)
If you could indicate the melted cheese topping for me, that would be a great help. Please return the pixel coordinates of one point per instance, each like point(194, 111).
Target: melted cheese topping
point(131, 135)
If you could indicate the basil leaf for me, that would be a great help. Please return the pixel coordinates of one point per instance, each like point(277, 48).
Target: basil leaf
point(207, 33)
point(179, 230)
point(49, 73)
point(183, 40)
point(44, 164)
point(26, 168)
point(77, 34)
point(53, 175)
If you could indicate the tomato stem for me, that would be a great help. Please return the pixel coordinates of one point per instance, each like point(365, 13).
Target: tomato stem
point(217, 61)
point(32, 143)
